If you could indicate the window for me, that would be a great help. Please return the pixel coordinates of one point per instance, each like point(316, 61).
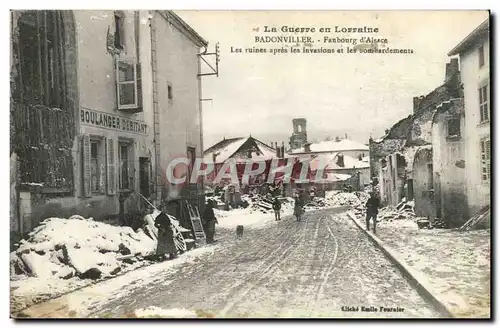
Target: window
point(453, 126)
point(126, 77)
point(125, 176)
point(119, 34)
point(485, 160)
point(481, 55)
point(483, 104)
point(95, 168)
point(340, 160)
point(170, 92)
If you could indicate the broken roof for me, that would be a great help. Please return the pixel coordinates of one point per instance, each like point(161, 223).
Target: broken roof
point(233, 148)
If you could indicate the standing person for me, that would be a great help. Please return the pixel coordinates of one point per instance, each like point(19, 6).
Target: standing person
point(298, 211)
point(277, 209)
point(372, 206)
point(166, 244)
point(209, 221)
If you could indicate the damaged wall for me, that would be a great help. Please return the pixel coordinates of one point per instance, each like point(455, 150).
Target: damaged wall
point(449, 164)
point(411, 138)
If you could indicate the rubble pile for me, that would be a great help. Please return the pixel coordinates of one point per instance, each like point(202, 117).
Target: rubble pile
point(83, 248)
point(404, 210)
point(336, 198)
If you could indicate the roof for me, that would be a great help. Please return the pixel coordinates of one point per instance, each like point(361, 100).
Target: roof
point(330, 160)
point(184, 27)
point(228, 148)
point(333, 146)
point(333, 177)
point(480, 32)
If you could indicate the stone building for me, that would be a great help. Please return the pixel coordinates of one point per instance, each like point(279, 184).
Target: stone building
point(448, 160)
point(402, 160)
point(94, 98)
point(474, 54)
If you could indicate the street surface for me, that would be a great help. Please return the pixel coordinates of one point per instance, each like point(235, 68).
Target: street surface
point(311, 268)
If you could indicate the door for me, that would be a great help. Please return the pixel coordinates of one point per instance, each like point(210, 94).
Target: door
point(144, 174)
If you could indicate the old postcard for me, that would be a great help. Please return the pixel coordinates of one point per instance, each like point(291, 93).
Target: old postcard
point(250, 164)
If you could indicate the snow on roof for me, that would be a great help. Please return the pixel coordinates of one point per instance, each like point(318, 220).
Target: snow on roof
point(228, 148)
point(334, 177)
point(333, 146)
point(330, 160)
point(224, 149)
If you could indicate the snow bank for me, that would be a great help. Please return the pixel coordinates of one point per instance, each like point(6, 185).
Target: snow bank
point(75, 249)
point(156, 312)
point(246, 217)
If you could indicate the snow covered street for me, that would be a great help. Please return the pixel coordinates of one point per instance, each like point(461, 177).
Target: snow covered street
point(323, 266)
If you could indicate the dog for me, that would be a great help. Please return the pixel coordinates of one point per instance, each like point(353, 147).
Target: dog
point(239, 231)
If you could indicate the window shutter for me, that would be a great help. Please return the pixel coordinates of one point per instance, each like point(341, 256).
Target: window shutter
point(86, 165)
point(111, 165)
point(139, 85)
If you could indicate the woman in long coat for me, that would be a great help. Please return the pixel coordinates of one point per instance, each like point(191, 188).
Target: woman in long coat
point(209, 221)
point(298, 210)
point(166, 244)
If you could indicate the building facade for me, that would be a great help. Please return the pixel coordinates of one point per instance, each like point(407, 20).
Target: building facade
point(88, 127)
point(448, 159)
point(474, 53)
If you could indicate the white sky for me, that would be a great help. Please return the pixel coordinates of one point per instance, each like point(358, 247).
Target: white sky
point(259, 94)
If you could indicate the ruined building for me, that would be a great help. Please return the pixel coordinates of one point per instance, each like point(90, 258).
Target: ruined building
point(299, 136)
point(404, 161)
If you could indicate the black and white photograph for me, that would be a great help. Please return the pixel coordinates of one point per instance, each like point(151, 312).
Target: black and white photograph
point(244, 164)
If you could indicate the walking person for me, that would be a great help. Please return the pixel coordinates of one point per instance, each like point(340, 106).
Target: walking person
point(277, 209)
point(298, 210)
point(372, 206)
point(165, 244)
point(209, 221)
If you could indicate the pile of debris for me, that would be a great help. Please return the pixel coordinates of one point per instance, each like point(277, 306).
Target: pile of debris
point(264, 204)
point(404, 210)
point(83, 248)
point(337, 198)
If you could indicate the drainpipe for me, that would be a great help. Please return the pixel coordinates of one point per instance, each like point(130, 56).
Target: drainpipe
point(201, 201)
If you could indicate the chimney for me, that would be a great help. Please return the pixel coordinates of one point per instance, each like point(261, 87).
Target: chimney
point(276, 148)
point(416, 103)
point(307, 148)
point(346, 135)
point(451, 69)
